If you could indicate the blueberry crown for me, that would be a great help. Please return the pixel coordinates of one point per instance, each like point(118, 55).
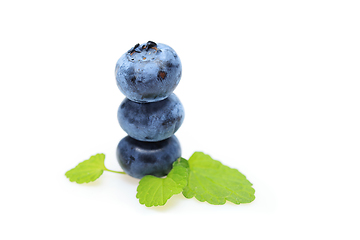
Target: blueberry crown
point(147, 46)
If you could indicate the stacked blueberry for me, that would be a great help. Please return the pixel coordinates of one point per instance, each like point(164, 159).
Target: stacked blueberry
point(151, 113)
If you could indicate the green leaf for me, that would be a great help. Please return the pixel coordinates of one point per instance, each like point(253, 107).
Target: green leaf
point(154, 191)
point(215, 183)
point(88, 170)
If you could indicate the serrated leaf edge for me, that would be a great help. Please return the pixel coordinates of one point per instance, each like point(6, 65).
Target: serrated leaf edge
point(223, 200)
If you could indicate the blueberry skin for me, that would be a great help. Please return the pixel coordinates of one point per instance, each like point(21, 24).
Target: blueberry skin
point(148, 72)
point(138, 158)
point(151, 122)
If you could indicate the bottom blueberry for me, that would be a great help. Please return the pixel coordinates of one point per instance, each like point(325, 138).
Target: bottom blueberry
point(139, 158)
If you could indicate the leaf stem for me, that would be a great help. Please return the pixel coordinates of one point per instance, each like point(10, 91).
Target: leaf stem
point(114, 171)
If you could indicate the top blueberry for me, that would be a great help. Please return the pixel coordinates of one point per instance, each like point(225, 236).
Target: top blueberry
point(148, 72)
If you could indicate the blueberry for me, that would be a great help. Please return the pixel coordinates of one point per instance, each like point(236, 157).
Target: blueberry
point(148, 72)
point(138, 158)
point(151, 122)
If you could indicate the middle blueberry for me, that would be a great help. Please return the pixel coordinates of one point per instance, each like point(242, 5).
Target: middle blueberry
point(151, 122)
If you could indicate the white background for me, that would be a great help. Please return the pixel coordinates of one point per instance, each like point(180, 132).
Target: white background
point(269, 87)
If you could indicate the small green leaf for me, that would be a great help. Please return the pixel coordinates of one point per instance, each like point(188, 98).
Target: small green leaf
point(154, 191)
point(88, 170)
point(179, 172)
point(215, 183)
